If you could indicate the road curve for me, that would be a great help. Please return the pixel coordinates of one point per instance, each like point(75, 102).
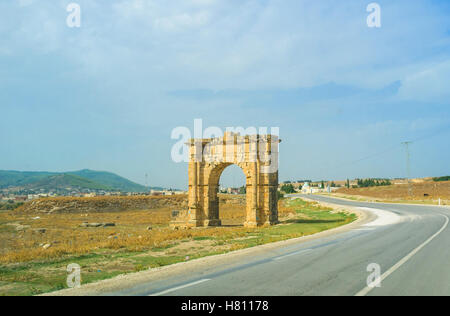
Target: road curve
point(409, 242)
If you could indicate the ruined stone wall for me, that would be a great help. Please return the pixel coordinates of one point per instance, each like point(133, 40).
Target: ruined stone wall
point(104, 204)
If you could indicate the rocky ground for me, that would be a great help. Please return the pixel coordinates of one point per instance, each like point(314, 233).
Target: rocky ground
point(103, 204)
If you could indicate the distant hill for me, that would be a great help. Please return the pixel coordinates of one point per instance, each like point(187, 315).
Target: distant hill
point(18, 178)
point(83, 179)
point(66, 181)
point(110, 179)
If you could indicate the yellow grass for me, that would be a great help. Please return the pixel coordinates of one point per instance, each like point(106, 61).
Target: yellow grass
point(425, 191)
point(27, 268)
point(66, 237)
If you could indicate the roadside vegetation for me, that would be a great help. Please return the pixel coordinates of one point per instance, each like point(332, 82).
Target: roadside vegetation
point(440, 179)
point(9, 206)
point(139, 240)
point(288, 188)
point(367, 183)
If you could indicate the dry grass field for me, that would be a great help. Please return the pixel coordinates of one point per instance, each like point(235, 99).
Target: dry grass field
point(36, 247)
point(426, 192)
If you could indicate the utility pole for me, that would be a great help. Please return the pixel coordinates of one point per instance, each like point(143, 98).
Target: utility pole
point(408, 166)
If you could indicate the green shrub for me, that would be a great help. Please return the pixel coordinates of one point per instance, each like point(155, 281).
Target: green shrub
point(440, 179)
point(373, 183)
point(288, 188)
point(10, 206)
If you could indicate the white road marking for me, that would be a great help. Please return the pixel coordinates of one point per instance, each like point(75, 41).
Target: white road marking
point(383, 217)
point(364, 229)
point(367, 289)
point(180, 287)
point(293, 254)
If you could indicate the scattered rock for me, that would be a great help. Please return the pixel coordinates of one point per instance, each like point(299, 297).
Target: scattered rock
point(91, 225)
point(94, 225)
point(103, 204)
point(22, 227)
point(56, 209)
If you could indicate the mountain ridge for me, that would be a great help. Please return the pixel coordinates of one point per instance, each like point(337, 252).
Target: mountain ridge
point(66, 180)
point(83, 179)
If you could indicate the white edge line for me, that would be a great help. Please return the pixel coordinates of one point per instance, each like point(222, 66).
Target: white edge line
point(180, 287)
point(367, 289)
point(368, 229)
point(293, 254)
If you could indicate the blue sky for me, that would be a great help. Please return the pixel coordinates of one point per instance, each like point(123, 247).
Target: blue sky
point(106, 96)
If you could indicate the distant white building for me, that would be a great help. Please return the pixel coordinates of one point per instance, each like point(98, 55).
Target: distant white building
point(306, 188)
point(166, 192)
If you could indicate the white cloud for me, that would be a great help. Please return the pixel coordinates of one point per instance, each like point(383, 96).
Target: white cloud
point(430, 84)
point(253, 44)
point(25, 3)
point(182, 22)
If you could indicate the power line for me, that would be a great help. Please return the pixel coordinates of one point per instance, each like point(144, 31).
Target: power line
point(389, 149)
point(446, 129)
point(370, 156)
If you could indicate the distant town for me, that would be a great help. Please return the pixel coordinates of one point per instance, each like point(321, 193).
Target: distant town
point(12, 195)
point(19, 187)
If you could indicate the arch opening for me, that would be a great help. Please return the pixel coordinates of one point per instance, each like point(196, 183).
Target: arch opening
point(231, 191)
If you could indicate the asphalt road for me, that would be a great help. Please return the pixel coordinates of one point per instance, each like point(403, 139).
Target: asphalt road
point(411, 245)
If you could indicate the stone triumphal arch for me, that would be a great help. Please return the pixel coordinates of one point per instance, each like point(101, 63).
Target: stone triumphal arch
point(256, 155)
